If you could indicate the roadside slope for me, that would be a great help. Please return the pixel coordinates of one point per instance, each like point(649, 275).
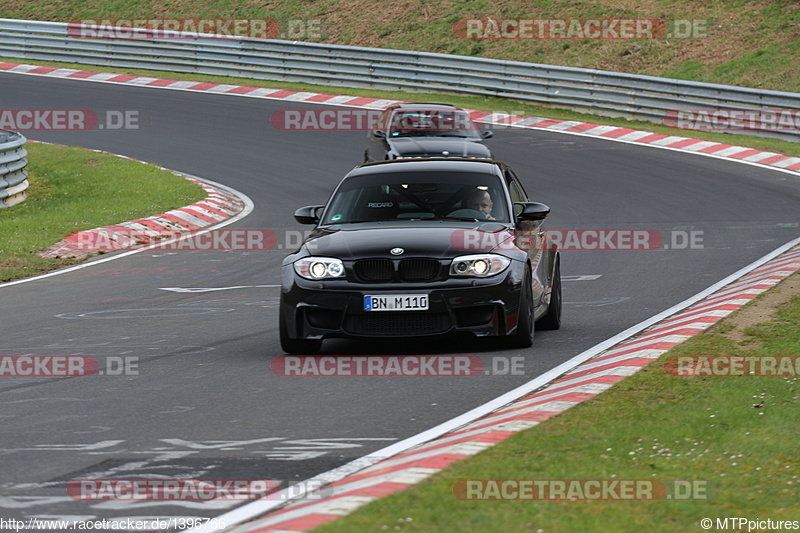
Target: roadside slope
point(738, 42)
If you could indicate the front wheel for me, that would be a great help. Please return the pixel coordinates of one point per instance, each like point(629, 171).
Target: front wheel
point(552, 319)
point(297, 346)
point(523, 336)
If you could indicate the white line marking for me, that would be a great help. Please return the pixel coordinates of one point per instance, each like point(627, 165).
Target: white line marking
point(211, 289)
point(733, 150)
point(700, 146)
point(758, 157)
point(634, 136)
point(787, 162)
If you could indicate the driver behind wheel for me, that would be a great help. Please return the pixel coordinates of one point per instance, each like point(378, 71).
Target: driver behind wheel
point(481, 200)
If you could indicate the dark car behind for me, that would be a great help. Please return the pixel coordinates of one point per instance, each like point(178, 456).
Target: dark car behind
point(425, 130)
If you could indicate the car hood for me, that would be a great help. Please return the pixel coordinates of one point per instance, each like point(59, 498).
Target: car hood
point(436, 146)
point(435, 239)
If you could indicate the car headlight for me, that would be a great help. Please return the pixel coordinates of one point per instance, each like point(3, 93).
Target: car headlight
point(479, 265)
point(316, 268)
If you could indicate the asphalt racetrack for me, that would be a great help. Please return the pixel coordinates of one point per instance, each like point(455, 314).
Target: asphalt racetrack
point(204, 402)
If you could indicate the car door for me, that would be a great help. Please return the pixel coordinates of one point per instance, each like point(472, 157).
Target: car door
point(532, 238)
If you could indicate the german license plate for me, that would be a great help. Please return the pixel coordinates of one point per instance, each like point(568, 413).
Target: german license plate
point(396, 302)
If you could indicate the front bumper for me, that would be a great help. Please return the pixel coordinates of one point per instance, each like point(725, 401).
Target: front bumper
point(335, 308)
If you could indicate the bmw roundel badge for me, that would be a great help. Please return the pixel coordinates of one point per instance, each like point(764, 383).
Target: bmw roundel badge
point(396, 251)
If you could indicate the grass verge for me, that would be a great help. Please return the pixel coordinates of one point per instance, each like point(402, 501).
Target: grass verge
point(752, 43)
point(74, 189)
point(736, 435)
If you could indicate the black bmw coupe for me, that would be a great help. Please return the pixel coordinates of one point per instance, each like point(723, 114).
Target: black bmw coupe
point(425, 130)
point(419, 247)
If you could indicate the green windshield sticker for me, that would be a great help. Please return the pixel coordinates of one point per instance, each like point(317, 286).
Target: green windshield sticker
point(336, 217)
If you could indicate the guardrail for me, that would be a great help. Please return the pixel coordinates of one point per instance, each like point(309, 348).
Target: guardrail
point(595, 91)
point(13, 176)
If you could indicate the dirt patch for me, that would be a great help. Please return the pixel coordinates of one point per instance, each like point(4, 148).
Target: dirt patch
point(760, 310)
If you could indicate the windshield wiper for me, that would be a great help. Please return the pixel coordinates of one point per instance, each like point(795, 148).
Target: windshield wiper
point(353, 222)
point(465, 219)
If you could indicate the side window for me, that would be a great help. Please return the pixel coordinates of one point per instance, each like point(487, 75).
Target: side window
point(383, 122)
point(514, 188)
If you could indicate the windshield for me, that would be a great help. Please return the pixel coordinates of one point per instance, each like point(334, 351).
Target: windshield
point(418, 196)
point(441, 123)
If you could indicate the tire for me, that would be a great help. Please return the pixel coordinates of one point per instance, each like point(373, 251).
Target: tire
point(523, 336)
point(552, 319)
point(297, 346)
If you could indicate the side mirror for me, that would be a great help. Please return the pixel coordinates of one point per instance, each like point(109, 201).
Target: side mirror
point(487, 134)
point(308, 214)
point(379, 134)
point(532, 211)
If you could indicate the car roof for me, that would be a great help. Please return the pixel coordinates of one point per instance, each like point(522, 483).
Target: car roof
point(449, 164)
